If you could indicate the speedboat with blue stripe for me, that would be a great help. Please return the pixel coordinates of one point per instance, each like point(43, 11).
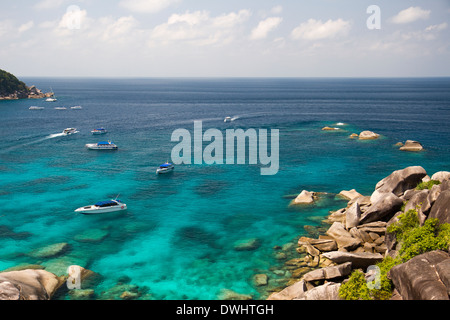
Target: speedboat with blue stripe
point(99, 131)
point(165, 168)
point(103, 207)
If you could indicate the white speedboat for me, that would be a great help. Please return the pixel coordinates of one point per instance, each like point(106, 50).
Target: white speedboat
point(99, 131)
point(76, 108)
point(104, 145)
point(70, 131)
point(36, 108)
point(227, 119)
point(165, 168)
point(103, 207)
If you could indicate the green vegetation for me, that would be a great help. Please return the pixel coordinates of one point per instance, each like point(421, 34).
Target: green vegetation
point(427, 185)
point(9, 84)
point(414, 239)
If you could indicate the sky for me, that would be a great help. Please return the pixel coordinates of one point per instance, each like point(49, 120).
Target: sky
point(217, 38)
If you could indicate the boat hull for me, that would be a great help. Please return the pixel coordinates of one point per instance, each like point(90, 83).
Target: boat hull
point(166, 170)
point(97, 147)
point(93, 210)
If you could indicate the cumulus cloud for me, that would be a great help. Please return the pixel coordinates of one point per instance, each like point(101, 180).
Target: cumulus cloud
point(410, 15)
point(199, 28)
point(437, 27)
point(26, 26)
point(147, 6)
point(264, 27)
point(317, 30)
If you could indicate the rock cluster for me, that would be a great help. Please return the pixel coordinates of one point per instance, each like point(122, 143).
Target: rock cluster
point(32, 93)
point(358, 238)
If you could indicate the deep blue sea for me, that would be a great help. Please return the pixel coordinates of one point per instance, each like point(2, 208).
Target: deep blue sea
point(177, 237)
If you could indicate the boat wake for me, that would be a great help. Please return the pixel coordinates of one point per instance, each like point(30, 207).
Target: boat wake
point(21, 145)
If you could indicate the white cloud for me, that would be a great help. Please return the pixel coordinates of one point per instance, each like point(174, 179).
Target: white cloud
point(316, 29)
point(277, 10)
point(264, 27)
point(26, 26)
point(199, 28)
point(410, 15)
point(437, 27)
point(147, 6)
point(48, 4)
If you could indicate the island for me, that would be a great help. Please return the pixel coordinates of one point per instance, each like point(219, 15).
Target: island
point(12, 88)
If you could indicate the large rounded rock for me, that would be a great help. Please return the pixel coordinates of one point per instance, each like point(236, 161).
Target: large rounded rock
point(441, 176)
point(28, 285)
point(368, 135)
point(411, 145)
point(441, 207)
point(305, 197)
point(418, 279)
point(383, 209)
point(398, 182)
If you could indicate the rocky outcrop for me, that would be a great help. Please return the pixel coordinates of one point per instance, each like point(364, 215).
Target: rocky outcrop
point(368, 135)
point(358, 238)
point(28, 285)
point(398, 182)
point(411, 145)
point(441, 207)
point(441, 176)
point(383, 209)
point(305, 197)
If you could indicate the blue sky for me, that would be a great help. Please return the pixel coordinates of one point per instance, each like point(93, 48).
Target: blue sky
point(212, 38)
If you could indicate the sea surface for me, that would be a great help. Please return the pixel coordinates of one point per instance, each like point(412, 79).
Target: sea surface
point(177, 238)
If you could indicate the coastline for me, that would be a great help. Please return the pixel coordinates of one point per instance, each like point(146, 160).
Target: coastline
point(33, 93)
point(359, 239)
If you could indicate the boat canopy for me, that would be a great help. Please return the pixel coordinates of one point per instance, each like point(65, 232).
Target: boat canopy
point(104, 143)
point(100, 129)
point(165, 165)
point(106, 203)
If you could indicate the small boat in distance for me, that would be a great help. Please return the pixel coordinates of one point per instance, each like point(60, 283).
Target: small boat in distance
point(52, 98)
point(103, 207)
point(60, 108)
point(104, 145)
point(165, 168)
point(36, 108)
point(99, 131)
point(70, 131)
point(76, 108)
point(227, 119)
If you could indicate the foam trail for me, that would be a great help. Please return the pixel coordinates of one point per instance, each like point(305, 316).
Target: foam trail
point(17, 146)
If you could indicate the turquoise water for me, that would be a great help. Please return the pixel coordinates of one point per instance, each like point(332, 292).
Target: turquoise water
point(176, 241)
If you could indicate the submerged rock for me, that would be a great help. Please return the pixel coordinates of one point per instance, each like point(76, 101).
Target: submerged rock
point(50, 251)
point(92, 235)
point(247, 244)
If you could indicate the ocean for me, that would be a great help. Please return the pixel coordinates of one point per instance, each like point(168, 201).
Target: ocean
point(177, 239)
